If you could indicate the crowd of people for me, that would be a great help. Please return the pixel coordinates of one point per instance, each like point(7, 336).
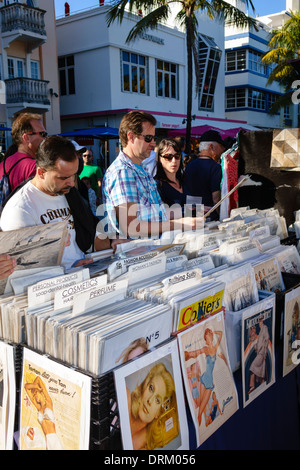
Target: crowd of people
point(53, 178)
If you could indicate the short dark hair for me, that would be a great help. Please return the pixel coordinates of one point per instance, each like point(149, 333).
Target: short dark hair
point(133, 121)
point(53, 148)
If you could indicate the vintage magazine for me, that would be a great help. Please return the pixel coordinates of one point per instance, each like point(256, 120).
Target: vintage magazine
point(258, 349)
point(151, 401)
point(241, 290)
point(7, 395)
point(209, 383)
point(268, 275)
point(291, 336)
point(288, 259)
point(192, 306)
point(54, 407)
point(33, 247)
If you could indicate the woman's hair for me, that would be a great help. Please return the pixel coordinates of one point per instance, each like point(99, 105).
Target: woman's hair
point(137, 343)
point(160, 172)
point(133, 121)
point(53, 148)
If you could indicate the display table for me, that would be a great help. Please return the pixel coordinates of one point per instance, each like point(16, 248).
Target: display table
point(271, 422)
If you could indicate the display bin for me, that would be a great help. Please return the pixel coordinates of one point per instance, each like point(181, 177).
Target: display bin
point(105, 425)
point(105, 433)
point(18, 362)
point(233, 329)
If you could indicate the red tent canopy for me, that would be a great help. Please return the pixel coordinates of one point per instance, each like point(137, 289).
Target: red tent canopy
point(197, 131)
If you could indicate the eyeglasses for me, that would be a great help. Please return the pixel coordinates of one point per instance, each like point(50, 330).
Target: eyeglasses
point(170, 156)
point(42, 133)
point(148, 138)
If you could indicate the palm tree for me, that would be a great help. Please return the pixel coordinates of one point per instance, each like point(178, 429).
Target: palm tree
point(284, 50)
point(158, 11)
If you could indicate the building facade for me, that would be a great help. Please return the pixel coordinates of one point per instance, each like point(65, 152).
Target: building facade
point(102, 76)
point(29, 75)
point(247, 95)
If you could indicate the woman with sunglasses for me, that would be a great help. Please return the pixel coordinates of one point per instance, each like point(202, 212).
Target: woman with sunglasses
point(169, 173)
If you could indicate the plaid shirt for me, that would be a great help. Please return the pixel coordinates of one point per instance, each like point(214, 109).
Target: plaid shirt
point(124, 182)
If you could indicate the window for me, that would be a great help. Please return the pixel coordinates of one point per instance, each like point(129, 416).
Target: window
point(66, 75)
point(166, 79)
point(256, 99)
point(209, 58)
point(235, 60)
point(236, 98)
point(272, 98)
point(134, 72)
point(15, 67)
point(255, 63)
point(35, 72)
point(2, 138)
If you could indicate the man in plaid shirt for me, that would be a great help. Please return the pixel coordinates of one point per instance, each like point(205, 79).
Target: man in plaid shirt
point(133, 204)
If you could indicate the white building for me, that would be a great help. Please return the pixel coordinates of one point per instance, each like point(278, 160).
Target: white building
point(102, 77)
point(28, 63)
point(247, 95)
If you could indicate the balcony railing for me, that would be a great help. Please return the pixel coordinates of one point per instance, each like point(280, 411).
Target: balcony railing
point(22, 17)
point(27, 91)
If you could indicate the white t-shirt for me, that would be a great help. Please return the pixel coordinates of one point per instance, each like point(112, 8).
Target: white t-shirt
point(30, 206)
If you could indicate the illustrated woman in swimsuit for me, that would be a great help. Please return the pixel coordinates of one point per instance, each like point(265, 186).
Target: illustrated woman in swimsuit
point(206, 379)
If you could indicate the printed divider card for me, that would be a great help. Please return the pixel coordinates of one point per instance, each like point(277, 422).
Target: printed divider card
point(291, 335)
point(44, 290)
point(103, 295)
point(64, 297)
point(258, 349)
point(208, 379)
point(7, 395)
point(55, 405)
point(151, 401)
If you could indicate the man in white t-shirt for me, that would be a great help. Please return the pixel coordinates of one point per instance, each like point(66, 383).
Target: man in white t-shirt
point(51, 197)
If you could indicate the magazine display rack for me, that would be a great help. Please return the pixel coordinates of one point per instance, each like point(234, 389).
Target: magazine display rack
point(167, 307)
point(105, 424)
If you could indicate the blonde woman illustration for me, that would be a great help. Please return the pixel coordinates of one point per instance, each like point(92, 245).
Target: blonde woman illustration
point(40, 398)
point(147, 403)
point(206, 380)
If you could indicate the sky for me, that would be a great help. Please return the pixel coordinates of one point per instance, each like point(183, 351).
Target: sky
point(262, 7)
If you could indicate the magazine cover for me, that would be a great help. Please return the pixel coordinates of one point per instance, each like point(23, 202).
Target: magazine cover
point(127, 343)
point(268, 276)
point(190, 308)
point(7, 396)
point(291, 338)
point(289, 260)
point(258, 358)
point(208, 379)
point(33, 247)
point(241, 290)
point(151, 401)
point(55, 405)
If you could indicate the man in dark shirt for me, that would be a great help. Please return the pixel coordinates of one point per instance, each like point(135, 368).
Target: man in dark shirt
point(204, 174)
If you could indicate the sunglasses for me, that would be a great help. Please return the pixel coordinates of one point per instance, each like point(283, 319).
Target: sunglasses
point(42, 133)
point(148, 138)
point(170, 156)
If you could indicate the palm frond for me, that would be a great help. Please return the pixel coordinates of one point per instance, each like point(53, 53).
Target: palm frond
point(282, 101)
point(228, 12)
point(150, 21)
